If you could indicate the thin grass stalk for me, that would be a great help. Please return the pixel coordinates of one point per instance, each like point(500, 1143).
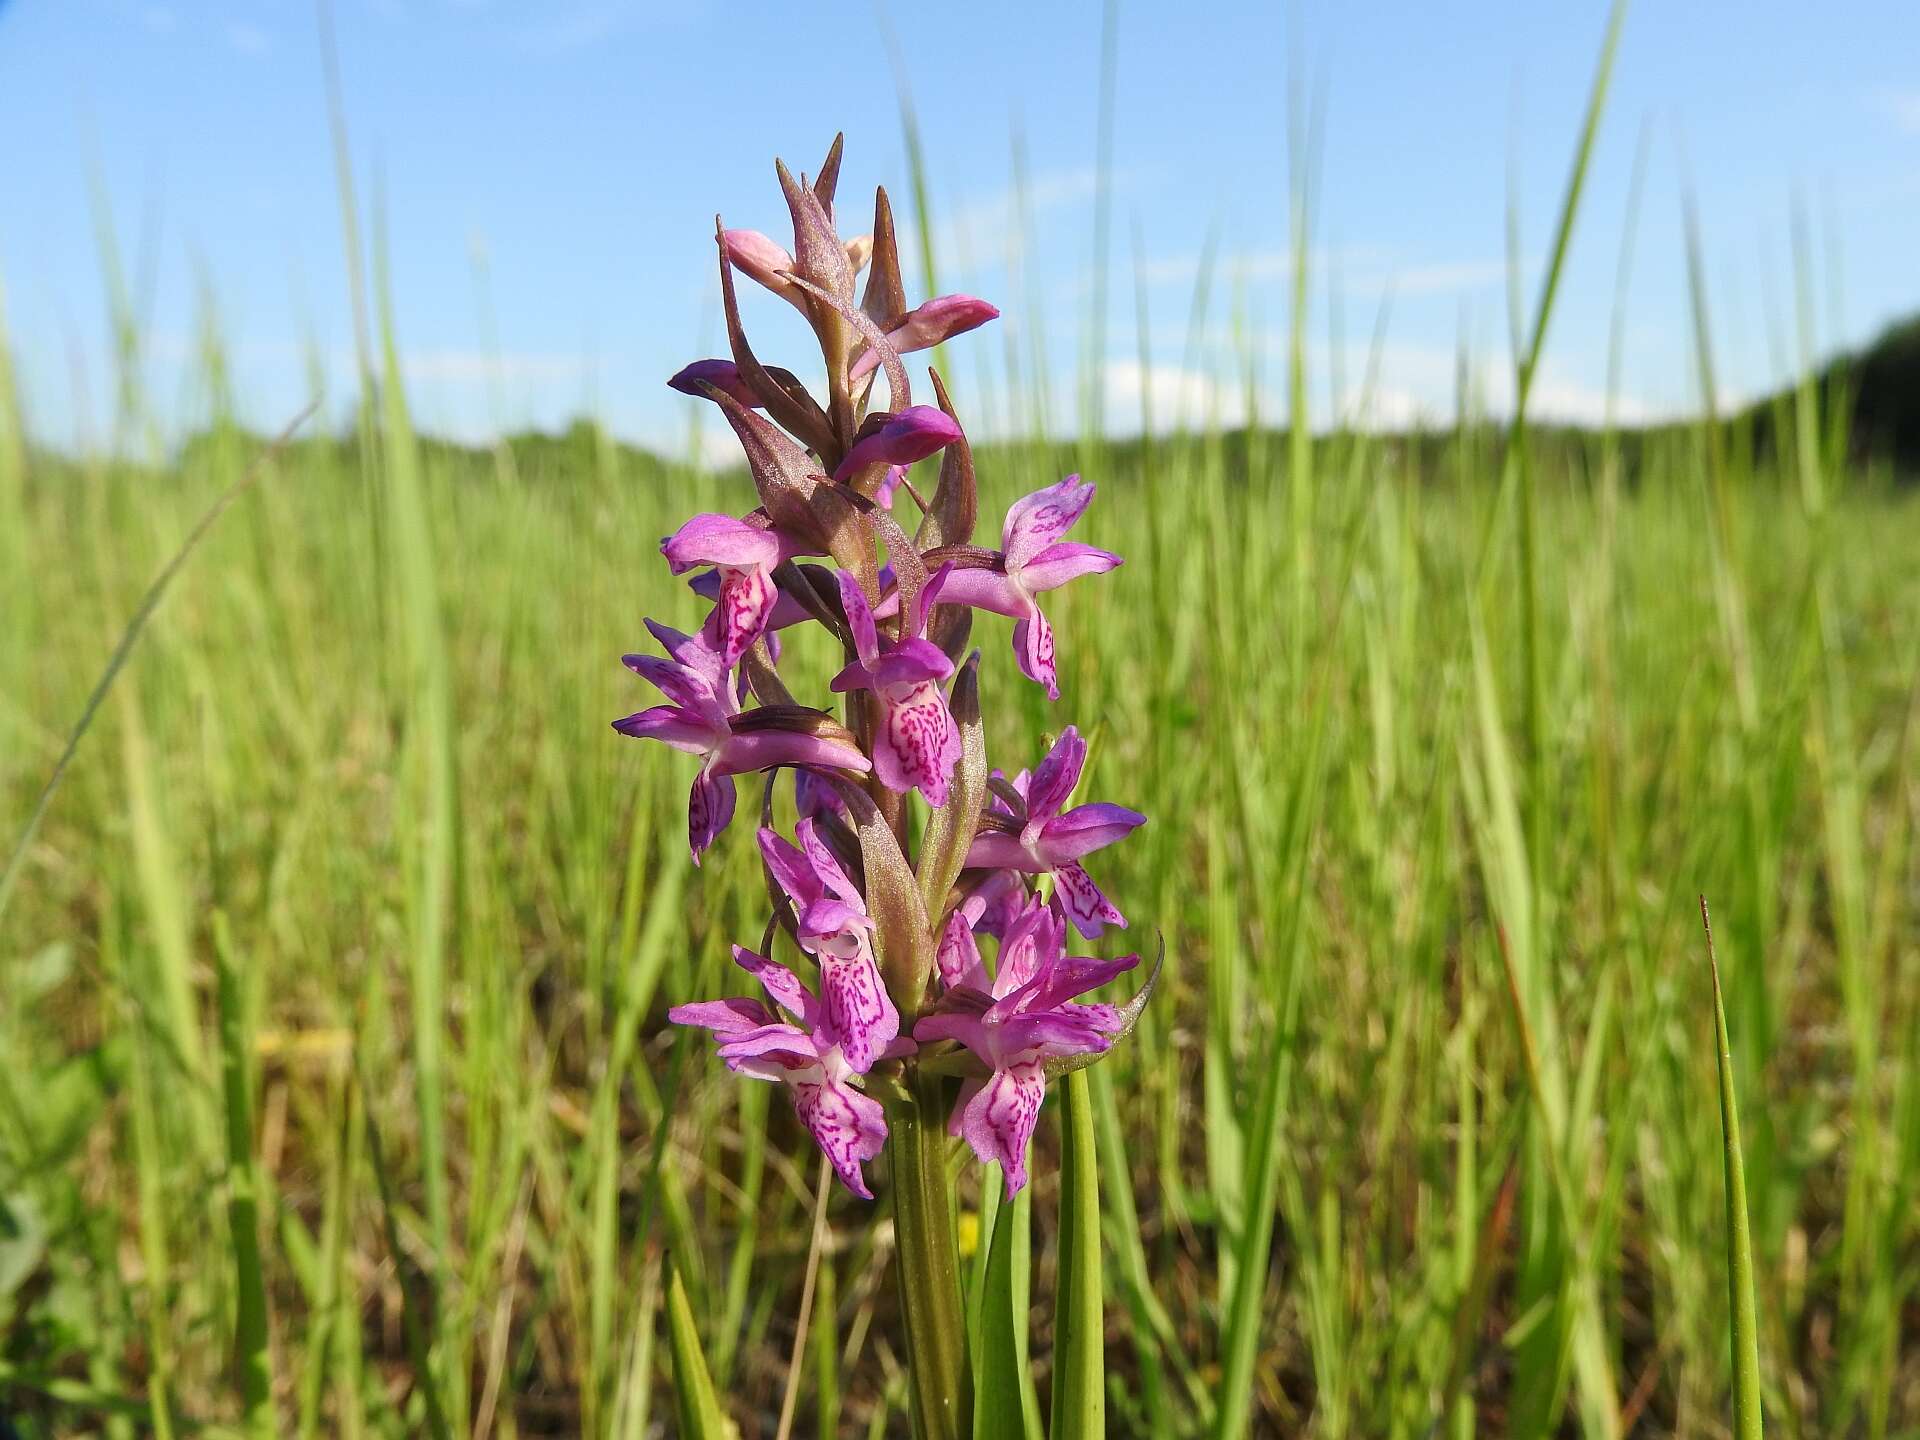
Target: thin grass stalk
point(1744, 1338)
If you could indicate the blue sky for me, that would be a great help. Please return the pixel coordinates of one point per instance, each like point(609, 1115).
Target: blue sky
point(582, 148)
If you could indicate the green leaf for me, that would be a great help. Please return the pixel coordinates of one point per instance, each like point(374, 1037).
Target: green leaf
point(1079, 1331)
point(1745, 1339)
point(1000, 1363)
point(700, 1416)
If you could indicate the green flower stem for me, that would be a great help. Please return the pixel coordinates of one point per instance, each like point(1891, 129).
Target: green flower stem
point(927, 1263)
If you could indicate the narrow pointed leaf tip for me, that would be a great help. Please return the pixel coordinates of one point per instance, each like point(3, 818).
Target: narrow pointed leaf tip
point(1744, 1338)
point(700, 1414)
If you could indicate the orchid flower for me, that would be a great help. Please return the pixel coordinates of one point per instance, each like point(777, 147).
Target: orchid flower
point(755, 1041)
point(703, 718)
point(832, 925)
point(913, 434)
point(939, 319)
point(1016, 1024)
point(744, 556)
point(915, 743)
point(889, 909)
point(1046, 840)
point(1032, 559)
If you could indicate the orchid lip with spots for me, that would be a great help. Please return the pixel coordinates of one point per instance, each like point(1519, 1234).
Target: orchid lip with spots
point(882, 1005)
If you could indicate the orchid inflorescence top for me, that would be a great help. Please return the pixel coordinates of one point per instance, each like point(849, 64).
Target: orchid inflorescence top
point(893, 938)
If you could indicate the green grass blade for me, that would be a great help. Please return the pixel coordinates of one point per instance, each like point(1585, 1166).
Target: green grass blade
point(1153, 1335)
point(1529, 363)
point(149, 602)
point(1745, 1339)
point(417, 1328)
point(826, 1352)
point(1000, 1363)
point(699, 1407)
point(1079, 1329)
point(243, 1188)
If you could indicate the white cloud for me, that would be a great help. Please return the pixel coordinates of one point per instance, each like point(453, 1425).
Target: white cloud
point(1413, 384)
point(576, 26)
point(985, 229)
point(1360, 268)
point(1902, 107)
point(1447, 278)
point(248, 38)
point(1177, 395)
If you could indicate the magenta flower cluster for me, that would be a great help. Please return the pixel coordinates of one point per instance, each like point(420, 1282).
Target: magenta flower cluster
point(891, 938)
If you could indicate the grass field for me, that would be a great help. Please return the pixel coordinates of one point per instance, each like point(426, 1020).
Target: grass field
point(336, 1096)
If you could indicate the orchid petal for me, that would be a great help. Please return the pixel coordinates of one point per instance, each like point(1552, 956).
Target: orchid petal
point(911, 662)
point(770, 1052)
point(764, 259)
point(826, 867)
point(789, 866)
point(721, 374)
point(1033, 649)
point(856, 1012)
point(1072, 976)
point(986, 589)
point(1031, 945)
point(672, 725)
point(969, 1029)
point(723, 1017)
point(709, 810)
point(1036, 521)
point(958, 956)
point(1086, 906)
point(1068, 560)
point(1084, 829)
point(685, 687)
point(900, 439)
point(917, 744)
point(999, 1120)
point(1062, 1033)
point(866, 640)
point(720, 540)
point(1056, 775)
point(832, 926)
point(787, 611)
point(849, 1128)
point(698, 653)
point(935, 321)
point(764, 749)
point(747, 600)
point(781, 983)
